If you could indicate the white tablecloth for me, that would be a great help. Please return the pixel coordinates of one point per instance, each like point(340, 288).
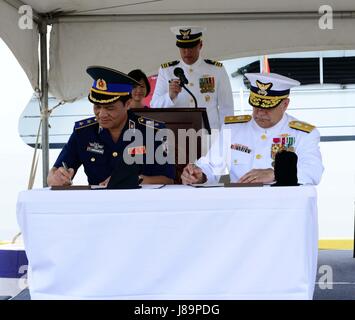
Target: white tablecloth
point(178, 242)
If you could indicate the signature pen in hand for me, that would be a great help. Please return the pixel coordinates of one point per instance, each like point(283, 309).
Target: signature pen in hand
point(67, 169)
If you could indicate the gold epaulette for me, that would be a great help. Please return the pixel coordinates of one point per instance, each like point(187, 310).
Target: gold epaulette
point(302, 126)
point(151, 123)
point(215, 63)
point(237, 119)
point(85, 123)
point(169, 64)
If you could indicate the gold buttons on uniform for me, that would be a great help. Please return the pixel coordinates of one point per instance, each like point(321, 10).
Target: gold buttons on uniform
point(259, 156)
point(93, 159)
point(263, 137)
point(191, 84)
point(114, 154)
point(191, 100)
point(191, 70)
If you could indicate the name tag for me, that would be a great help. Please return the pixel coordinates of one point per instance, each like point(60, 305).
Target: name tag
point(95, 148)
point(240, 147)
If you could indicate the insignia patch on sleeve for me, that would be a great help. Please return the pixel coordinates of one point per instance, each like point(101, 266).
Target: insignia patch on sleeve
point(85, 123)
point(302, 126)
point(237, 119)
point(214, 63)
point(170, 64)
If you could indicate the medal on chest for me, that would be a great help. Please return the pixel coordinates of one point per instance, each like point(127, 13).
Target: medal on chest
point(136, 150)
point(207, 84)
point(283, 142)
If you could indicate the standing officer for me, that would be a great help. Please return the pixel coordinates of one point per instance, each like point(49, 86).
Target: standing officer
point(207, 79)
point(100, 143)
point(248, 144)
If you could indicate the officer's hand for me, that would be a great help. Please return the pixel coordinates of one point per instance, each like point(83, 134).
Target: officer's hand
point(105, 183)
point(192, 174)
point(60, 177)
point(174, 88)
point(258, 176)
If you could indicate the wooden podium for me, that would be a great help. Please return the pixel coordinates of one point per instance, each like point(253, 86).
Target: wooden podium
point(175, 119)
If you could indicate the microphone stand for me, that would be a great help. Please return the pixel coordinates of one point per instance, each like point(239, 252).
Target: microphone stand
point(189, 92)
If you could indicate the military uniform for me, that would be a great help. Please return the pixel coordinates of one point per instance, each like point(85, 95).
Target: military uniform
point(91, 146)
point(134, 152)
point(208, 81)
point(244, 146)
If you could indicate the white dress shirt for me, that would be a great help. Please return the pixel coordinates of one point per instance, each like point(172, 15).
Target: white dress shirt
point(218, 100)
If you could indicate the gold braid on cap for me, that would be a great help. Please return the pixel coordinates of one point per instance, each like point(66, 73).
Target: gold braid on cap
point(192, 40)
point(260, 101)
point(104, 101)
point(106, 93)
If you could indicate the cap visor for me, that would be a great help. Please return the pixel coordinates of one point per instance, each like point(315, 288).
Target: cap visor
point(187, 44)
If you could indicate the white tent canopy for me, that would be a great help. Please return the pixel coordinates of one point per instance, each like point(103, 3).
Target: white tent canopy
point(22, 43)
point(127, 34)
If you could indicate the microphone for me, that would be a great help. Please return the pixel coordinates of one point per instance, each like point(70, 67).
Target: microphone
point(181, 75)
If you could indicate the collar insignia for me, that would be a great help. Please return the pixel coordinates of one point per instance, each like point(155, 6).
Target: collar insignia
point(131, 124)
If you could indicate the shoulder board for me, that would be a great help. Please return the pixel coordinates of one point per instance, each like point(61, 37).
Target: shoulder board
point(151, 123)
point(170, 64)
point(302, 126)
point(85, 123)
point(215, 63)
point(237, 119)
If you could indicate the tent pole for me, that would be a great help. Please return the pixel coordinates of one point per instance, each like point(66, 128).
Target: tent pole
point(44, 99)
point(73, 18)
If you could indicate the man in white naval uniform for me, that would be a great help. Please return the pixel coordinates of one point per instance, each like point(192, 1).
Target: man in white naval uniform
point(247, 145)
point(207, 80)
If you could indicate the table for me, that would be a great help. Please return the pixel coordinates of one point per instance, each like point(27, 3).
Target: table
point(177, 242)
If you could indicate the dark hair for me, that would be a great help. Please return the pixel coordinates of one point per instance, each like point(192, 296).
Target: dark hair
point(138, 75)
point(124, 99)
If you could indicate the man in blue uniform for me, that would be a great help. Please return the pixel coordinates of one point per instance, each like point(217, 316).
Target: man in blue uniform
point(114, 139)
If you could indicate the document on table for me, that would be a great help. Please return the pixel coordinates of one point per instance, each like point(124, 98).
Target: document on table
point(152, 186)
point(78, 187)
point(207, 185)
